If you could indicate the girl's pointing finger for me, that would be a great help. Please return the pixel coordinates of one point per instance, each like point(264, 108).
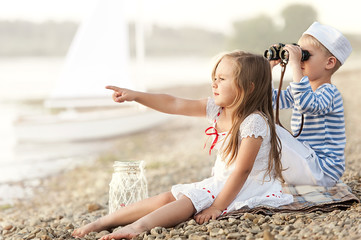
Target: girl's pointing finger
point(114, 88)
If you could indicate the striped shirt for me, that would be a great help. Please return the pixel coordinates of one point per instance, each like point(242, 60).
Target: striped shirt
point(324, 124)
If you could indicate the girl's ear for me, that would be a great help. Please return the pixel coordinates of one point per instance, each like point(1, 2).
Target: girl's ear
point(331, 63)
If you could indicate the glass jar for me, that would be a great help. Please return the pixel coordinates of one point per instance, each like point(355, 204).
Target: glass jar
point(128, 184)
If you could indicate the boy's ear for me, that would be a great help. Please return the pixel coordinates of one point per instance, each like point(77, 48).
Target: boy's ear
point(331, 62)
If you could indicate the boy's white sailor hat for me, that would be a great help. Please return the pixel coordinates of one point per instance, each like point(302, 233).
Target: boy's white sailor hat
point(332, 39)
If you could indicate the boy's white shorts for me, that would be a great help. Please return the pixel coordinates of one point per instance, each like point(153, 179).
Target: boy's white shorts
point(300, 162)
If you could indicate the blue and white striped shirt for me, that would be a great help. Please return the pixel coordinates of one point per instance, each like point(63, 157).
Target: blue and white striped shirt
point(324, 123)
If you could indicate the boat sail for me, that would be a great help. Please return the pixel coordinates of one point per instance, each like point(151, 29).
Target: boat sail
point(98, 56)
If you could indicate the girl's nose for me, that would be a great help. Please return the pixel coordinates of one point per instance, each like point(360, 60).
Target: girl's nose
point(214, 85)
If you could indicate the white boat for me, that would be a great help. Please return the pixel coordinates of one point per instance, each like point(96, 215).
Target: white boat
point(75, 126)
point(98, 56)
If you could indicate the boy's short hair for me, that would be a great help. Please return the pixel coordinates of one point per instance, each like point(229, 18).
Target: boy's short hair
point(314, 42)
point(333, 40)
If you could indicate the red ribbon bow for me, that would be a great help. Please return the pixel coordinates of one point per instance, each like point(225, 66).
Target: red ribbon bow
point(215, 138)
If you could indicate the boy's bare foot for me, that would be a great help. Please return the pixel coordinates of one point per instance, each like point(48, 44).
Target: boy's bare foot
point(127, 232)
point(91, 227)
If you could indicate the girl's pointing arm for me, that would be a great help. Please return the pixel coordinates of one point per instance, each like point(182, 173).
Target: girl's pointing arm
point(161, 102)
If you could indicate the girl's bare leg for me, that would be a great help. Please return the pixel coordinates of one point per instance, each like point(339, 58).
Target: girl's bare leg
point(167, 216)
point(125, 215)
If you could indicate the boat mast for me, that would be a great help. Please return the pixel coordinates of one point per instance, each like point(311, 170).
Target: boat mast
point(140, 46)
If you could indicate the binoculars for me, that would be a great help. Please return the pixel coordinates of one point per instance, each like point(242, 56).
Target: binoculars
point(277, 52)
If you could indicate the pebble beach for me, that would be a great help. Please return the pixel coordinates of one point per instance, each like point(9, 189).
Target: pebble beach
point(173, 153)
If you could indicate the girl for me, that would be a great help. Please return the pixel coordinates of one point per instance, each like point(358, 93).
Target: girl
point(247, 171)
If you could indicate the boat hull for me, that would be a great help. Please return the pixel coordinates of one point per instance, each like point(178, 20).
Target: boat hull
point(85, 126)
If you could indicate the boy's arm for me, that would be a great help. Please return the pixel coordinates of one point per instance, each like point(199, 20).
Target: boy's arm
point(246, 156)
point(307, 101)
point(161, 102)
point(286, 98)
point(295, 54)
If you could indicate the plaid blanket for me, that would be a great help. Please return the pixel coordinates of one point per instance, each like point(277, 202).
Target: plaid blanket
point(307, 199)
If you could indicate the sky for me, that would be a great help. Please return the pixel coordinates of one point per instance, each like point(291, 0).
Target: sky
point(216, 15)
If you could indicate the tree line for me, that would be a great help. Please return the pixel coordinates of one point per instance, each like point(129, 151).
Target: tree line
point(21, 38)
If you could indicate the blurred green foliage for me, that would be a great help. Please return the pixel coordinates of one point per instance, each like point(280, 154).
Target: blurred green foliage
point(20, 38)
point(258, 33)
point(163, 41)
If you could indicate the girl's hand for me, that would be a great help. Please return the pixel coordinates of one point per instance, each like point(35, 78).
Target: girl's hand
point(207, 214)
point(122, 94)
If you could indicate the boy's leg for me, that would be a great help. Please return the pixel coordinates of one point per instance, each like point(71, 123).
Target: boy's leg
point(167, 216)
point(126, 215)
point(296, 159)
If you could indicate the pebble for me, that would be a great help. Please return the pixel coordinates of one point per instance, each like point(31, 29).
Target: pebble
point(234, 236)
point(101, 234)
point(8, 227)
point(93, 207)
point(156, 231)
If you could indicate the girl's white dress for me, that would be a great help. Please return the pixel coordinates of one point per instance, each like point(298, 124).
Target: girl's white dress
point(256, 191)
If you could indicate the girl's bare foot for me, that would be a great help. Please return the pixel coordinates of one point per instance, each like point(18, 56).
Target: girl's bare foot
point(91, 227)
point(127, 232)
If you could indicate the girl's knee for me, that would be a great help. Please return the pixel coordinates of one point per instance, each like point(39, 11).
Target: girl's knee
point(166, 198)
point(189, 202)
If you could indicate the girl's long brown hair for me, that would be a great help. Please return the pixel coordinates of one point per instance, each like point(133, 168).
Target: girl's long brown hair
point(253, 78)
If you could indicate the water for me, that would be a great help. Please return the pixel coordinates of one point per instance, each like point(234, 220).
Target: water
point(26, 82)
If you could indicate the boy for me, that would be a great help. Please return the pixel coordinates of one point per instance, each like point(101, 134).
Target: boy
point(316, 156)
